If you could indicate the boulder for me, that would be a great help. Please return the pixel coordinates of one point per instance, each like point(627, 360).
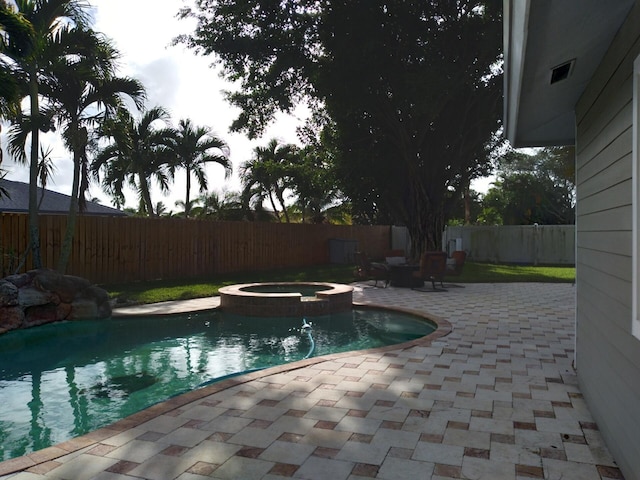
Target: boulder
point(8, 294)
point(83, 309)
point(31, 296)
point(10, 318)
point(19, 279)
point(44, 296)
point(65, 286)
point(63, 310)
point(40, 315)
point(100, 297)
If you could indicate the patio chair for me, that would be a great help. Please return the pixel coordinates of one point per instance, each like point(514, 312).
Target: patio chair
point(433, 266)
point(455, 269)
point(368, 270)
point(455, 265)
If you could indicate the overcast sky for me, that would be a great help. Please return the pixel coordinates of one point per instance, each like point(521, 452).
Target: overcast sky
point(176, 79)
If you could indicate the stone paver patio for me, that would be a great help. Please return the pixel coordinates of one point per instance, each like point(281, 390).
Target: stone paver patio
point(495, 399)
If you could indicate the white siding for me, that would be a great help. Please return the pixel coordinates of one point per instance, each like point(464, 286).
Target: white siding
point(607, 354)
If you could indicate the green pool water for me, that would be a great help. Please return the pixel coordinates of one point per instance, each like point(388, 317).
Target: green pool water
point(63, 380)
point(304, 290)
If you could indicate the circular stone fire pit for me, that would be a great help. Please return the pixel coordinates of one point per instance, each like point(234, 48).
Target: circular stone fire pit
point(286, 299)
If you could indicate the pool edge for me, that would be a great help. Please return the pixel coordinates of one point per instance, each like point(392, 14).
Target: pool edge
point(38, 457)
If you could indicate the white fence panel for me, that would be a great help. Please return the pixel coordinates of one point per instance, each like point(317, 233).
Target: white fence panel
point(523, 244)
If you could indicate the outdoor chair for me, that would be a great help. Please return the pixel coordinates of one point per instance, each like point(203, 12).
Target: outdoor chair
point(368, 270)
point(395, 257)
point(455, 265)
point(455, 269)
point(433, 266)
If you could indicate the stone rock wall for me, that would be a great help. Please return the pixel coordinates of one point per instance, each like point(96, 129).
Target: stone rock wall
point(44, 296)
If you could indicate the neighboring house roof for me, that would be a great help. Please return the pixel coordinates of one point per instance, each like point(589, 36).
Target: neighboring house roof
point(538, 37)
point(52, 202)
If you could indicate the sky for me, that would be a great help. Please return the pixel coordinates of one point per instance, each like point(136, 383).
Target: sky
point(176, 79)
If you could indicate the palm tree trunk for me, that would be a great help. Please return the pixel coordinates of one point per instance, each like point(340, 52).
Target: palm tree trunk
point(280, 196)
point(273, 205)
point(146, 196)
point(187, 205)
point(34, 229)
point(65, 251)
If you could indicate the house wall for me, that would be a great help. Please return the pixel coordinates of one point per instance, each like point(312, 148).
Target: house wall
point(607, 354)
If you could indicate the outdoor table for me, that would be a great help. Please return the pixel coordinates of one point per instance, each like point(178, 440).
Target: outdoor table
point(402, 276)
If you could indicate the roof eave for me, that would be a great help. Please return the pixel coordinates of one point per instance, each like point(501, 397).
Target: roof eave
point(515, 38)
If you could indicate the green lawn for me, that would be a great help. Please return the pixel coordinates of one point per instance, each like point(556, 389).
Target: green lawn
point(163, 290)
point(491, 273)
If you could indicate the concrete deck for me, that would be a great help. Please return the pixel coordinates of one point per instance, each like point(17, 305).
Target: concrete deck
point(495, 399)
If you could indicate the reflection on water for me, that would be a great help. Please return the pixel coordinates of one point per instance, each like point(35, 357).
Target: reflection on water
point(62, 380)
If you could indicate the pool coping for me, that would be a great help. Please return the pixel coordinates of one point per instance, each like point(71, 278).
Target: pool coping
point(17, 464)
point(242, 300)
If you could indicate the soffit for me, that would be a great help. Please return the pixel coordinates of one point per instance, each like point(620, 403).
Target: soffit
point(539, 36)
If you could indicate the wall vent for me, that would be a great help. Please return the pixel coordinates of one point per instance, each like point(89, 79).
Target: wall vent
point(562, 72)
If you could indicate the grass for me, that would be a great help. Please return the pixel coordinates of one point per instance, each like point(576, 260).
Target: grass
point(491, 273)
point(164, 290)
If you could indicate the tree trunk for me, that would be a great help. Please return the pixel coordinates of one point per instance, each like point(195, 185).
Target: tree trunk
point(280, 196)
point(146, 196)
point(34, 229)
point(466, 188)
point(424, 219)
point(67, 244)
point(187, 205)
point(273, 205)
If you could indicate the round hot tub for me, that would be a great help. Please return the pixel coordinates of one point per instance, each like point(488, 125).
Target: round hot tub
point(286, 299)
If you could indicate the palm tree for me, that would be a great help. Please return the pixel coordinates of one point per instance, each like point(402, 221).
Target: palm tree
point(225, 206)
point(161, 210)
point(81, 91)
point(267, 174)
point(136, 153)
point(85, 92)
point(193, 206)
point(194, 147)
point(46, 169)
point(28, 52)
point(313, 182)
point(14, 28)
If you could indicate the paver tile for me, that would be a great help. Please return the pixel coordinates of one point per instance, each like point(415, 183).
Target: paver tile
point(285, 452)
point(395, 468)
point(497, 398)
point(318, 467)
point(136, 451)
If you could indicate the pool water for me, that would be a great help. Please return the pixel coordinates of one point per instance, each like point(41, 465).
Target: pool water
point(63, 380)
point(304, 290)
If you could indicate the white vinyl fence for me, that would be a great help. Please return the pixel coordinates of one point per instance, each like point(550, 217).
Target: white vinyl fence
point(521, 244)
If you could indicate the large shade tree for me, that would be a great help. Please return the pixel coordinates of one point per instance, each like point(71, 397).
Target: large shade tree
point(424, 102)
point(529, 189)
point(411, 89)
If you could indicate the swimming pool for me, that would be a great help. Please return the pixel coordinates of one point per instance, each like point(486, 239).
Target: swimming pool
point(62, 380)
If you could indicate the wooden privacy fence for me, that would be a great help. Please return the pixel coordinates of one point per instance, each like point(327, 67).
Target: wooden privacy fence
point(128, 249)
